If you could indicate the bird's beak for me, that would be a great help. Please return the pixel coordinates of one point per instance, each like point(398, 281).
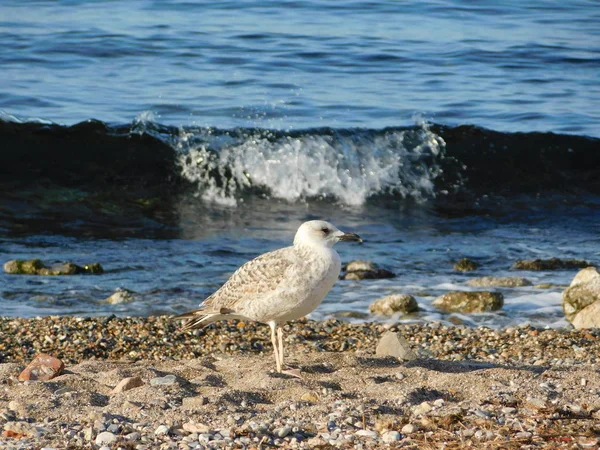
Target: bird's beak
point(350, 237)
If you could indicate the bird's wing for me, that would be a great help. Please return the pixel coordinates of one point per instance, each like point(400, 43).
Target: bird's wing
point(259, 276)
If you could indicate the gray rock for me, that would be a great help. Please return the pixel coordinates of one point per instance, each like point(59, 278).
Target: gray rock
point(582, 292)
point(282, 432)
point(391, 304)
point(549, 264)
point(588, 317)
point(134, 436)
point(163, 381)
point(367, 433)
point(499, 282)
point(105, 438)
point(470, 302)
point(391, 436)
point(114, 428)
point(392, 344)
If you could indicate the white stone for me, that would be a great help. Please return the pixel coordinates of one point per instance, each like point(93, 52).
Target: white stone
point(409, 428)
point(106, 437)
point(367, 433)
point(391, 436)
point(162, 429)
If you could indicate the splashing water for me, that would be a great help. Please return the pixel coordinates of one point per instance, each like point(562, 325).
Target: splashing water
point(348, 166)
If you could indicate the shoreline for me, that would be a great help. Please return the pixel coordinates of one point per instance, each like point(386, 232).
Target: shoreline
point(519, 387)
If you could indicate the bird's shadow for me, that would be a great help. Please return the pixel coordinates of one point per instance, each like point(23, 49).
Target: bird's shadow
point(440, 365)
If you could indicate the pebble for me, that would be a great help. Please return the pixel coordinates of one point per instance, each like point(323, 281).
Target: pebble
point(409, 428)
point(106, 437)
point(127, 384)
point(421, 409)
point(481, 413)
point(133, 436)
point(367, 433)
point(163, 381)
point(162, 429)
point(391, 436)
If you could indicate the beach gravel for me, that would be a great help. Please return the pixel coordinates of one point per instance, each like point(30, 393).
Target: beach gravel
point(518, 387)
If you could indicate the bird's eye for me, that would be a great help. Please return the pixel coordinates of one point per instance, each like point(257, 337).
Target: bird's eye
point(325, 230)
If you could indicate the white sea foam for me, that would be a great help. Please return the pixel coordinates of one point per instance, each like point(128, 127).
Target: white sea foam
point(349, 168)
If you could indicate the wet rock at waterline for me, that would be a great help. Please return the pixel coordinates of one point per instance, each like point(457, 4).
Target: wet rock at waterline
point(392, 304)
point(470, 302)
point(499, 282)
point(364, 270)
point(549, 264)
point(582, 292)
point(465, 265)
point(37, 267)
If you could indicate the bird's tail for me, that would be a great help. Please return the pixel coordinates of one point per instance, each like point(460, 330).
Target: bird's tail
point(199, 318)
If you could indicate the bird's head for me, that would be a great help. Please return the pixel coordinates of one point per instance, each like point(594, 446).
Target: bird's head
point(322, 234)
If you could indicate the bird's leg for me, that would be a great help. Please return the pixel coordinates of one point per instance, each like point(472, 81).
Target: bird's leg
point(280, 338)
point(273, 325)
point(288, 371)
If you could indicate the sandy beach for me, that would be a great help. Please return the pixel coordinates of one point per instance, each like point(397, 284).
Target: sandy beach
point(518, 387)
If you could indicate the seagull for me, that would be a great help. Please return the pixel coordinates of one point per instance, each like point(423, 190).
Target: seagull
point(278, 286)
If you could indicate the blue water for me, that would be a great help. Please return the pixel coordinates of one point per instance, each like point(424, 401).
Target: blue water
point(330, 76)
point(508, 66)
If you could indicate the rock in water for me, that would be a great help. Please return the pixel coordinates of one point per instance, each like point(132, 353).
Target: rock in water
point(37, 267)
point(43, 367)
point(365, 270)
point(392, 344)
point(470, 302)
point(499, 282)
point(550, 264)
point(391, 304)
point(120, 295)
point(583, 291)
point(465, 265)
point(358, 265)
point(588, 317)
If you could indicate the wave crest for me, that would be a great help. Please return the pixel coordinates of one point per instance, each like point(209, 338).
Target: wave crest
point(347, 166)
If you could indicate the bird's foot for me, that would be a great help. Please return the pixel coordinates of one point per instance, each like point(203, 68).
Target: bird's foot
point(292, 372)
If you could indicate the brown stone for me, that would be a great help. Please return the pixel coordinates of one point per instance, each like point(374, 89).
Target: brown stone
point(43, 367)
point(127, 384)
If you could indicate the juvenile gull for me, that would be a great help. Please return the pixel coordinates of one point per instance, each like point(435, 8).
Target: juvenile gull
point(278, 286)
